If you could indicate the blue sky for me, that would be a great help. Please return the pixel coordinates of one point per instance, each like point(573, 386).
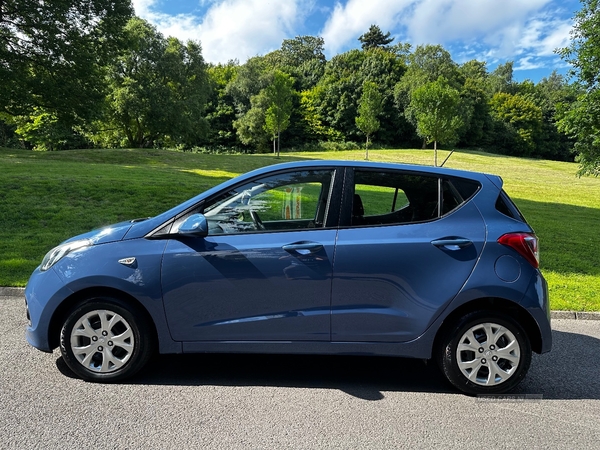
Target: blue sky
point(524, 31)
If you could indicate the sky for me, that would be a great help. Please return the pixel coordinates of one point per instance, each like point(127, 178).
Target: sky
point(526, 32)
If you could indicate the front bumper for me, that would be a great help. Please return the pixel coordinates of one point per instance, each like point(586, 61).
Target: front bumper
point(44, 292)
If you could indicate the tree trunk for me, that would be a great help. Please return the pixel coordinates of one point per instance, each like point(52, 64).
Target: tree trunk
point(435, 153)
point(278, 139)
point(367, 149)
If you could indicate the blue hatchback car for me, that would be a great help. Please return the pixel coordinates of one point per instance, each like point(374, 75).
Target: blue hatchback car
point(319, 257)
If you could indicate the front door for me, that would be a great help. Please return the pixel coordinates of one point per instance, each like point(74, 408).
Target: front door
point(264, 272)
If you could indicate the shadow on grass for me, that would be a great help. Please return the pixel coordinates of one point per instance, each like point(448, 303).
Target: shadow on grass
point(568, 236)
point(569, 371)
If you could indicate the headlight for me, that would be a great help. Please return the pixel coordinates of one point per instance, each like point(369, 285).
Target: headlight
point(57, 253)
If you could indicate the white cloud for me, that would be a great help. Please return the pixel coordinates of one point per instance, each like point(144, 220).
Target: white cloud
point(499, 23)
point(142, 7)
point(348, 22)
point(544, 34)
point(483, 29)
point(527, 64)
point(526, 31)
point(245, 28)
point(231, 29)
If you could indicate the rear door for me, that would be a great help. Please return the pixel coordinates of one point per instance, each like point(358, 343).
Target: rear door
point(409, 244)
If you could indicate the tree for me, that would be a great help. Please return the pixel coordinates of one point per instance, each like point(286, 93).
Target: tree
point(475, 105)
point(426, 64)
point(44, 131)
point(434, 107)
point(375, 38)
point(522, 116)
point(250, 126)
point(336, 95)
point(385, 69)
point(335, 99)
point(220, 111)
point(369, 108)
point(581, 120)
point(279, 100)
point(158, 92)
point(501, 79)
point(303, 58)
point(250, 79)
point(52, 54)
point(551, 94)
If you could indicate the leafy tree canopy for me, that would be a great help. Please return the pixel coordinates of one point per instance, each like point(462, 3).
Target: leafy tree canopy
point(581, 121)
point(501, 79)
point(158, 90)
point(434, 107)
point(375, 38)
point(426, 64)
point(279, 100)
point(524, 116)
point(52, 52)
point(302, 57)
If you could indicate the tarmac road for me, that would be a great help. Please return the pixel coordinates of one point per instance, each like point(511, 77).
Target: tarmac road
point(242, 401)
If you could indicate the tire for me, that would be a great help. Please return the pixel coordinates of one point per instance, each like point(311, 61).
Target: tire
point(105, 340)
point(485, 353)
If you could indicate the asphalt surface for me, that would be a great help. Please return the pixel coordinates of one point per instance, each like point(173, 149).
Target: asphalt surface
point(243, 401)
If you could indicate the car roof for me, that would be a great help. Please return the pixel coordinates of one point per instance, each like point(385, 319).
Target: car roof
point(372, 165)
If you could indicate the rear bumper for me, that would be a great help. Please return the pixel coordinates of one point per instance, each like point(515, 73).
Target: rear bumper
point(538, 293)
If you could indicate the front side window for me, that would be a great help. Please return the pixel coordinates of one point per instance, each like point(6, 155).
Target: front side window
point(286, 201)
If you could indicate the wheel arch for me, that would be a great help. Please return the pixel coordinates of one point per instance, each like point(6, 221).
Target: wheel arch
point(517, 312)
point(66, 306)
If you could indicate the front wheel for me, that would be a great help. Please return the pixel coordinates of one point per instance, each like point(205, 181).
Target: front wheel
point(485, 353)
point(105, 339)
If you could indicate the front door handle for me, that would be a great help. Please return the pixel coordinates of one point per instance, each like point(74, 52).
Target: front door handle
point(303, 248)
point(452, 243)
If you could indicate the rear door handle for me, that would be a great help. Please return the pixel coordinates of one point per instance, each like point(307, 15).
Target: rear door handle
point(452, 243)
point(303, 248)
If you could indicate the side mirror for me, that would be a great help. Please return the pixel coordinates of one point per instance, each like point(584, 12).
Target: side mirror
point(195, 225)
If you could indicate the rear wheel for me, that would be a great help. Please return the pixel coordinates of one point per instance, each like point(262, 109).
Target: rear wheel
point(485, 353)
point(105, 339)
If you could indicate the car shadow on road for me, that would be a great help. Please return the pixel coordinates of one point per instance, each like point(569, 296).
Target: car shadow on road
point(570, 371)
point(364, 377)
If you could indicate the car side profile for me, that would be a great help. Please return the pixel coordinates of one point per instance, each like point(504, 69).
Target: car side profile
point(314, 257)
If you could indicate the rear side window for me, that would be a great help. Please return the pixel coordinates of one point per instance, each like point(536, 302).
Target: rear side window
point(382, 198)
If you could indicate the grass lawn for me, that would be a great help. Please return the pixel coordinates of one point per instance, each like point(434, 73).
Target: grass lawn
point(48, 197)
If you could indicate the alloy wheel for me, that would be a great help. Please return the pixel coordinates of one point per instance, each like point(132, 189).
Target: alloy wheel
point(488, 354)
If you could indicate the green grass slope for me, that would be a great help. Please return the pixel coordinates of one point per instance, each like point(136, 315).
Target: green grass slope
point(48, 197)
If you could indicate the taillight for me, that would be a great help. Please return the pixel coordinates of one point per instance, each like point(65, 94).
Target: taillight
point(526, 244)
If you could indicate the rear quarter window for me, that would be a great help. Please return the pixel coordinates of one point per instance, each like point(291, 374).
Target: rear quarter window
point(506, 206)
